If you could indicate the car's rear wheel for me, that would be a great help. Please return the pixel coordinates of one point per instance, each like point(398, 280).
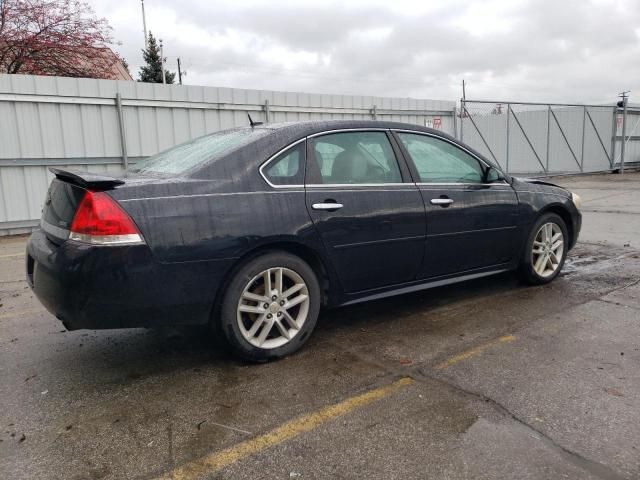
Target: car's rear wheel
point(545, 251)
point(270, 307)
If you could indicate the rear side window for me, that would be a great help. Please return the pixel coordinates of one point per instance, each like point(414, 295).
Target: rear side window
point(288, 167)
point(355, 158)
point(438, 161)
point(194, 153)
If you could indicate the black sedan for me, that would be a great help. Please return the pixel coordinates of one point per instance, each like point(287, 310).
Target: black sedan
point(253, 230)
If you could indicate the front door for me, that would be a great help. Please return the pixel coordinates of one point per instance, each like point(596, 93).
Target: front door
point(368, 213)
point(471, 213)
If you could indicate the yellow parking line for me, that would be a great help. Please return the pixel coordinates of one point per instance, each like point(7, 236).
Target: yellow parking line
point(11, 255)
point(21, 312)
point(474, 351)
point(218, 460)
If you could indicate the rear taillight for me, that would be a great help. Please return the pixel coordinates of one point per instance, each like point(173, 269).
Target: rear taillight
point(99, 220)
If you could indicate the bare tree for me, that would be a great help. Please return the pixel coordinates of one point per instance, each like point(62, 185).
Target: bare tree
point(54, 37)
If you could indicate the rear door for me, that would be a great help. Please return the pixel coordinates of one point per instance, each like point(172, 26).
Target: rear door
point(368, 212)
point(471, 220)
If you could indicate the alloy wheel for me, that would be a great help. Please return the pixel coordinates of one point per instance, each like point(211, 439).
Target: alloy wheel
point(548, 249)
point(273, 307)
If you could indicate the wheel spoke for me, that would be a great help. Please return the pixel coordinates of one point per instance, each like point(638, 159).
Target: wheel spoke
point(296, 301)
point(549, 263)
point(282, 329)
point(279, 281)
point(251, 309)
point(292, 323)
point(539, 264)
point(554, 257)
point(267, 282)
point(556, 237)
point(536, 243)
point(296, 288)
point(557, 245)
point(548, 232)
point(254, 297)
point(264, 332)
point(256, 325)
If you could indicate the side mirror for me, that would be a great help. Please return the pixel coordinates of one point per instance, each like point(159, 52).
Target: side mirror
point(494, 175)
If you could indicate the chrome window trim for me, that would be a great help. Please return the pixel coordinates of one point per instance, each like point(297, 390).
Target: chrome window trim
point(341, 130)
point(273, 157)
point(416, 132)
point(373, 129)
point(424, 184)
point(343, 185)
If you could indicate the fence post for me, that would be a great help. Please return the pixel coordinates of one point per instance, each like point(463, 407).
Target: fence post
point(624, 133)
point(548, 136)
point(463, 110)
point(508, 134)
point(614, 135)
point(374, 113)
point(123, 137)
point(266, 111)
point(455, 124)
point(584, 124)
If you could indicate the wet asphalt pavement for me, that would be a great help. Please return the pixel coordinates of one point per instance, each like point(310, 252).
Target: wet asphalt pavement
point(504, 381)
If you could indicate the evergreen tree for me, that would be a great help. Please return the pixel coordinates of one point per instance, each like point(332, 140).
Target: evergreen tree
point(152, 71)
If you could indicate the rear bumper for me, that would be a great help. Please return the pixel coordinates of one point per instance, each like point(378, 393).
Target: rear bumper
point(117, 287)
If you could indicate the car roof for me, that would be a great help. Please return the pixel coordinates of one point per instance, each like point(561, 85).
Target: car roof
point(310, 127)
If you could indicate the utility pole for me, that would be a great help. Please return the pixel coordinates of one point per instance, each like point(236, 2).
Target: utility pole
point(625, 98)
point(179, 72)
point(144, 27)
point(164, 80)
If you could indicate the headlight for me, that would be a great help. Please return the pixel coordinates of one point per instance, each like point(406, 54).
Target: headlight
point(577, 201)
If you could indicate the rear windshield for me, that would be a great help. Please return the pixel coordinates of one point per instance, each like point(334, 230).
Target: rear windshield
point(194, 153)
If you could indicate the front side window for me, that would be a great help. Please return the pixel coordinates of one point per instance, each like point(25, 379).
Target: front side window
point(355, 158)
point(288, 167)
point(438, 161)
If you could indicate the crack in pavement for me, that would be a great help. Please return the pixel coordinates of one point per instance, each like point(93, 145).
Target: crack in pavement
point(418, 374)
point(591, 466)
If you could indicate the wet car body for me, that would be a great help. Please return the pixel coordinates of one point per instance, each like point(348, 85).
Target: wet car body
point(199, 226)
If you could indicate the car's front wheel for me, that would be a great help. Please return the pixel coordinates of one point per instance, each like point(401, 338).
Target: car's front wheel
point(545, 251)
point(270, 307)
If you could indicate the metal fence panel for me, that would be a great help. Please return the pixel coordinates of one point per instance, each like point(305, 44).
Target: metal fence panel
point(540, 139)
point(75, 123)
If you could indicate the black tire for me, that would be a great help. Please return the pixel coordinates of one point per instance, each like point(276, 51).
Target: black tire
point(228, 320)
point(526, 270)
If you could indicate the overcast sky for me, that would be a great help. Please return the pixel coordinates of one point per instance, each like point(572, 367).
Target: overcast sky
point(531, 50)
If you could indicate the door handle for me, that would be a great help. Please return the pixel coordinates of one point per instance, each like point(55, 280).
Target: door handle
point(327, 206)
point(443, 202)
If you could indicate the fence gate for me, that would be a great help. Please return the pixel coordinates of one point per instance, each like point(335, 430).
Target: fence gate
point(540, 138)
point(631, 132)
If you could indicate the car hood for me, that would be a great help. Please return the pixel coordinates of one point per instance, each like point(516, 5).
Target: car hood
point(536, 181)
point(541, 185)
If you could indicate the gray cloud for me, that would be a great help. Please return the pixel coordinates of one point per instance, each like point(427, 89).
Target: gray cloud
point(560, 50)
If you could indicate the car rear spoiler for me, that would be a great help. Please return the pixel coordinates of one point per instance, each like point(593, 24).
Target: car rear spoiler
point(86, 179)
